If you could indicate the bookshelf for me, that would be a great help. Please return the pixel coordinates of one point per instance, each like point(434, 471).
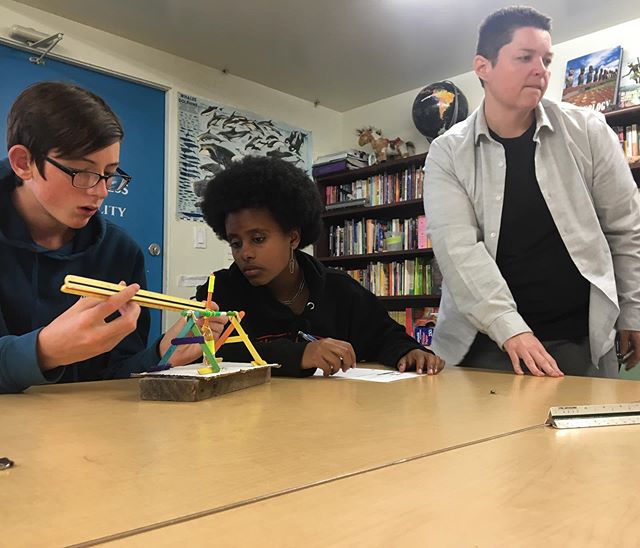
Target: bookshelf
point(625, 117)
point(395, 190)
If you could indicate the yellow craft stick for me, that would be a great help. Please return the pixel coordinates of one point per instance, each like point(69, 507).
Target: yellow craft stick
point(209, 341)
point(209, 303)
point(99, 293)
point(79, 285)
point(245, 339)
point(90, 282)
point(104, 294)
point(212, 283)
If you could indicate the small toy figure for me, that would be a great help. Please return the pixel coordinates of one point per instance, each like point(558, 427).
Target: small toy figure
point(384, 148)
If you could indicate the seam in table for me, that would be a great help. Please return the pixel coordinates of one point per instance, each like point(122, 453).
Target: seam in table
point(289, 490)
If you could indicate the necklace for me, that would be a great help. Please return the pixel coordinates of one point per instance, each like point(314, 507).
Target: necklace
point(300, 288)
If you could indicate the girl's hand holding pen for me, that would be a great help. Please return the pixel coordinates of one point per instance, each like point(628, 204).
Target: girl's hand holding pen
point(330, 355)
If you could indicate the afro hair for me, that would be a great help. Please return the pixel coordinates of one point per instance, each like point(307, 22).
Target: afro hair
point(273, 184)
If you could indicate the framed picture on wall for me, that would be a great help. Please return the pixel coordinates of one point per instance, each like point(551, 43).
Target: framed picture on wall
point(629, 89)
point(211, 136)
point(592, 80)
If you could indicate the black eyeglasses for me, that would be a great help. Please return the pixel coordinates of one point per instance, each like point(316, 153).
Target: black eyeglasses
point(88, 179)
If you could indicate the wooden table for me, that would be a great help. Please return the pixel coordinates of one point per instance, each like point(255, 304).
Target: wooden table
point(542, 487)
point(92, 460)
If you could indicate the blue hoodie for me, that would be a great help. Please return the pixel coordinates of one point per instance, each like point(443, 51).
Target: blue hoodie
point(30, 297)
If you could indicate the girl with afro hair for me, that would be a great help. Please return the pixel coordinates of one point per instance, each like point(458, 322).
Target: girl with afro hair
point(267, 210)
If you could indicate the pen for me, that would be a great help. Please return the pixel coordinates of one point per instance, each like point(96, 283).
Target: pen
point(306, 337)
point(311, 338)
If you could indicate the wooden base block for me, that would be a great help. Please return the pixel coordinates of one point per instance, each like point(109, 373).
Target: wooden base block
point(193, 389)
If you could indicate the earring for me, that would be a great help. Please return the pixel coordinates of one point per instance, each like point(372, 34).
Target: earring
point(292, 263)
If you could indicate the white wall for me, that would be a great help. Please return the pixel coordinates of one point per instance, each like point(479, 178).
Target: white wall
point(114, 53)
point(393, 114)
point(331, 130)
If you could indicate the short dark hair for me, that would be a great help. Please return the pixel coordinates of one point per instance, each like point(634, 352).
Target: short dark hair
point(254, 182)
point(63, 117)
point(497, 29)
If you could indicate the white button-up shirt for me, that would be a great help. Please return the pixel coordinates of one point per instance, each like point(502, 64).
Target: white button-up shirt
point(593, 200)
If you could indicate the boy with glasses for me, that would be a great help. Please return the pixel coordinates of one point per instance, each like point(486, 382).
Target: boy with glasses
point(63, 157)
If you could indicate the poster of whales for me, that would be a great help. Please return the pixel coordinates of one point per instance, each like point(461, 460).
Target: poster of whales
point(212, 135)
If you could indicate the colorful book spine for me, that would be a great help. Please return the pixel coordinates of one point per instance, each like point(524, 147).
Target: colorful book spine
point(423, 238)
point(378, 235)
point(399, 278)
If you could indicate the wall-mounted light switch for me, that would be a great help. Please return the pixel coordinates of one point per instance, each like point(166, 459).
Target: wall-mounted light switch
point(199, 237)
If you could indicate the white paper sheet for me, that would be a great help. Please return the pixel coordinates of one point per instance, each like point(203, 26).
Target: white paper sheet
point(192, 370)
point(371, 375)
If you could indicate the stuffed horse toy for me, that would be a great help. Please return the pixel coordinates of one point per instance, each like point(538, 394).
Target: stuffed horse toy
point(384, 149)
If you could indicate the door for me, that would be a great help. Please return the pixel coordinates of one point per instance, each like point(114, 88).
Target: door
point(139, 209)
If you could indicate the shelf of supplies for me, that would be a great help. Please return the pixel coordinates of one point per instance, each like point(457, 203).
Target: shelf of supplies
point(399, 209)
point(376, 169)
point(398, 302)
point(376, 257)
point(623, 116)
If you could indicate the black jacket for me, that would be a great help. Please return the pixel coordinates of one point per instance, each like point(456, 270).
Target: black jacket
point(338, 307)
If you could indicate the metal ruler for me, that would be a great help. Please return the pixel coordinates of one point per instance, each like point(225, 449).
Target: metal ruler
point(585, 416)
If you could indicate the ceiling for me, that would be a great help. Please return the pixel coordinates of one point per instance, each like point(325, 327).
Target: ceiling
point(342, 53)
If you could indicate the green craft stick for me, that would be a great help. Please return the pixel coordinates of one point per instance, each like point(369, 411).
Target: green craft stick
point(187, 327)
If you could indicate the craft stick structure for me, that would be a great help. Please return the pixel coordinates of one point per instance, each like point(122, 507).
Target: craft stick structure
point(191, 310)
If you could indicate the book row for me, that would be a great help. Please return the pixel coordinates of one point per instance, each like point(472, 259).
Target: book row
point(419, 323)
point(359, 236)
point(418, 276)
point(380, 189)
point(629, 138)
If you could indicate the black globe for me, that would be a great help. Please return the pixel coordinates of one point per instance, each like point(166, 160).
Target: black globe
point(438, 107)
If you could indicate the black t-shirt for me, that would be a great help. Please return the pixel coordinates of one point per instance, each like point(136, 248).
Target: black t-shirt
point(550, 293)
